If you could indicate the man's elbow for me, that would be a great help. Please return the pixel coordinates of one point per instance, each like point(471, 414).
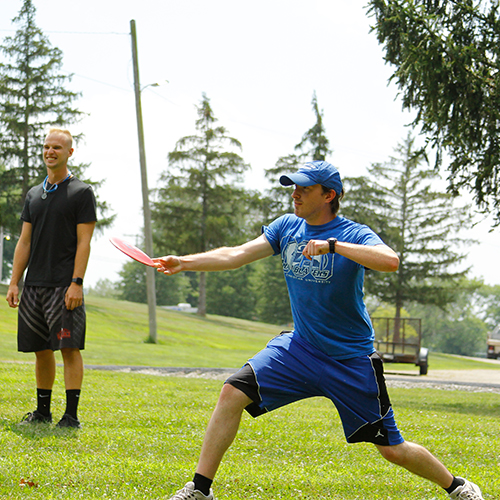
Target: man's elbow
point(393, 264)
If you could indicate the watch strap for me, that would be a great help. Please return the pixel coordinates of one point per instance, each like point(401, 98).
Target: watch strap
point(332, 242)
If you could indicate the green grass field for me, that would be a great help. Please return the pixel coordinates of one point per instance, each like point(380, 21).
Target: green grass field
point(117, 333)
point(142, 433)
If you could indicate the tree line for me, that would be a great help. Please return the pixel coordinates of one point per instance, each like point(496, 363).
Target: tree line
point(201, 199)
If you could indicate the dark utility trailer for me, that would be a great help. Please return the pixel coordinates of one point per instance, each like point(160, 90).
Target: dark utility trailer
point(493, 344)
point(398, 340)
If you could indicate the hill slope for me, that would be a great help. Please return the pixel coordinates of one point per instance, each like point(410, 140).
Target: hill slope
point(117, 331)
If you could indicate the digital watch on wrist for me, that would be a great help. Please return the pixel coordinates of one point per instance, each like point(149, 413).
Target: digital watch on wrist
point(332, 242)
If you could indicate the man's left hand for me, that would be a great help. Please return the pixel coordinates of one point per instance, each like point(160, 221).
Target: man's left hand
point(316, 247)
point(74, 296)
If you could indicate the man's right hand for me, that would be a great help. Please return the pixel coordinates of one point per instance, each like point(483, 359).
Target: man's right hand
point(13, 296)
point(170, 264)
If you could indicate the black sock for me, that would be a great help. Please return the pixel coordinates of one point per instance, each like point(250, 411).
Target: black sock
point(457, 481)
point(43, 397)
point(202, 483)
point(72, 398)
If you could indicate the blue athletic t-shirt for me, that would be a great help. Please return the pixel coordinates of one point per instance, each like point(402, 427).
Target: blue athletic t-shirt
point(326, 293)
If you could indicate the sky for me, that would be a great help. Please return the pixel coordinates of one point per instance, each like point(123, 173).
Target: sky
point(258, 62)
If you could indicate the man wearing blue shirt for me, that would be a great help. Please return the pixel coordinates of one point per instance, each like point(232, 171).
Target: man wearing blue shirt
point(330, 352)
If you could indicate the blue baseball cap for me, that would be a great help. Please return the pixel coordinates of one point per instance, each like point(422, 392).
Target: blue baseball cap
point(315, 172)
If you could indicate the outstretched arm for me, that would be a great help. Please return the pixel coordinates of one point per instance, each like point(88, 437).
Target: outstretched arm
point(220, 259)
point(376, 257)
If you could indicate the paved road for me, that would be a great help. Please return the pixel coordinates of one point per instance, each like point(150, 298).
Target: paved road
point(468, 380)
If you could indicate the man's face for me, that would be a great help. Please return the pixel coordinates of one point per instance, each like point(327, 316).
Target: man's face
point(56, 150)
point(311, 203)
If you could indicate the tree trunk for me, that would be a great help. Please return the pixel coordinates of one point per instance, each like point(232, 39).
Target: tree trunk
point(202, 299)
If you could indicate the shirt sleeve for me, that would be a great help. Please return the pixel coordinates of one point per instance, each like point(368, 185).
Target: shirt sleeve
point(87, 207)
point(25, 214)
point(366, 236)
point(272, 234)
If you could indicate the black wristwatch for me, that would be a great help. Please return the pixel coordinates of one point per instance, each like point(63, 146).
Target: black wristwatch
point(331, 242)
point(78, 281)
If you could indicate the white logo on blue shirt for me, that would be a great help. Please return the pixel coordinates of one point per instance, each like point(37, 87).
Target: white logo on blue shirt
point(295, 265)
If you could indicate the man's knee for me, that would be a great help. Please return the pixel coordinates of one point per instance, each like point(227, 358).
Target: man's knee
point(231, 397)
point(70, 351)
point(395, 454)
point(46, 353)
point(71, 355)
point(45, 357)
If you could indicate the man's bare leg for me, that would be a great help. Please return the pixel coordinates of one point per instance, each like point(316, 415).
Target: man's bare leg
point(418, 460)
point(45, 369)
point(221, 429)
point(73, 368)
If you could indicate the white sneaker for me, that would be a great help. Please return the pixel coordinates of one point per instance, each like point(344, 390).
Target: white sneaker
point(468, 491)
point(189, 493)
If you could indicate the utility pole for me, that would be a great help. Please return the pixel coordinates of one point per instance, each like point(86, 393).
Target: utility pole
point(1, 252)
point(148, 235)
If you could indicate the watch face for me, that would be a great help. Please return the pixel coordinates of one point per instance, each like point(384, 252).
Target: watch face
point(78, 281)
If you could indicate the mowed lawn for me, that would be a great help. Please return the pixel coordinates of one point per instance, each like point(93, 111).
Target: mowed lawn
point(141, 433)
point(117, 332)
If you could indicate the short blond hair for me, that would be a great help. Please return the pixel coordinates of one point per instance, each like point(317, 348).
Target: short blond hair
point(67, 133)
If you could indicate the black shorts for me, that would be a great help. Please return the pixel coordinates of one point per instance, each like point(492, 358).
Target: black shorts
point(45, 323)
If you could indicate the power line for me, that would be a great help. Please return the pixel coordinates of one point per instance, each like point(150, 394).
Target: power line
point(75, 32)
point(103, 83)
point(88, 33)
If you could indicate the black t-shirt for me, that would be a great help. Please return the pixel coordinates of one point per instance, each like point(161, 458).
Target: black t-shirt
point(53, 239)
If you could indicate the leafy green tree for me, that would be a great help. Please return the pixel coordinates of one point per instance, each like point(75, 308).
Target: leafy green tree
point(132, 286)
point(9, 245)
point(465, 337)
point(488, 304)
point(200, 206)
point(273, 303)
point(104, 288)
point(230, 293)
point(457, 330)
point(446, 58)
point(33, 97)
point(421, 224)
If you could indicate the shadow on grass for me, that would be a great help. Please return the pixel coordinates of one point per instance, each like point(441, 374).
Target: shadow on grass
point(38, 431)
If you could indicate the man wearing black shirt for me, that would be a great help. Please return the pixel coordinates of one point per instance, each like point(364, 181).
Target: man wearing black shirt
point(58, 217)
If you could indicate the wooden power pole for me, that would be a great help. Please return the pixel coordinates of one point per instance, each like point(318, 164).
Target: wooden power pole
point(148, 234)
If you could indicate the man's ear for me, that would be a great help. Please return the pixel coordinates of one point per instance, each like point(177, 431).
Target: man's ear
point(331, 195)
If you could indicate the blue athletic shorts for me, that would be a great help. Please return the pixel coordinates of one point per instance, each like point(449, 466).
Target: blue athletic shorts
point(290, 369)
point(45, 323)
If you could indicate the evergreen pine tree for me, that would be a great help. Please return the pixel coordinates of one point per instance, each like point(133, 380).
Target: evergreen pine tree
point(446, 63)
point(398, 202)
point(201, 203)
point(33, 97)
